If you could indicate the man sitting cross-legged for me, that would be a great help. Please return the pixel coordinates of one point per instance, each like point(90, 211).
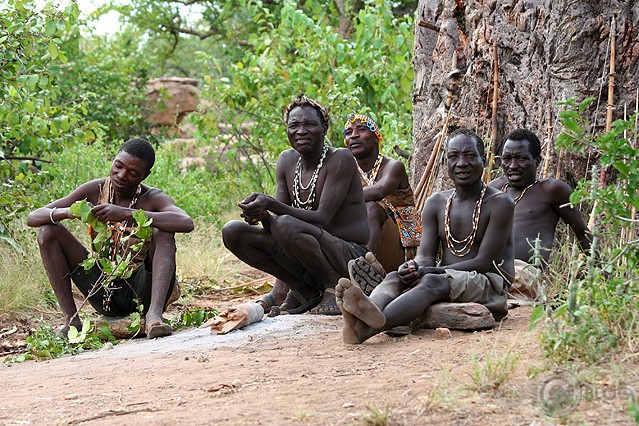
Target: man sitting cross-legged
point(115, 198)
point(471, 226)
point(387, 193)
point(315, 223)
point(538, 207)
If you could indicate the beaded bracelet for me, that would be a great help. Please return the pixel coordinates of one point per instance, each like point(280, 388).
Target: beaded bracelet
point(51, 216)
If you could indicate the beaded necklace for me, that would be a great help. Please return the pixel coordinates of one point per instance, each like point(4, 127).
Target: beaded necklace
point(297, 183)
point(370, 176)
point(470, 239)
point(116, 234)
point(520, 196)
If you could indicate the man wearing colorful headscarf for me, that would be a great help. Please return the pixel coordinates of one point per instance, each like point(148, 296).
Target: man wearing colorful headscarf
point(395, 228)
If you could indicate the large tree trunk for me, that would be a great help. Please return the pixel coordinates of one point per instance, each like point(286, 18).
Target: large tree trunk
point(548, 51)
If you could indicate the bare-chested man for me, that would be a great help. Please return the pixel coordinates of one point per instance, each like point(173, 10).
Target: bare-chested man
point(115, 198)
point(538, 207)
point(386, 187)
point(315, 223)
point(471, 225)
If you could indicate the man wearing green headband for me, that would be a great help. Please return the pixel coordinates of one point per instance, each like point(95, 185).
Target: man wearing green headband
point(387, 193)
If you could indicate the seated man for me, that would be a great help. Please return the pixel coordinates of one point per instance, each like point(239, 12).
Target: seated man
point(467, 226)
point(315, 223)
point(538, 207)
point(115, 198)
point(386, 190)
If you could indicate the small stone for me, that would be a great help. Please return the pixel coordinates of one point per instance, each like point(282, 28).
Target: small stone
point(107, 346)
point(202, 358)
point(348, 405)
point(71, 396)
point(237, 383)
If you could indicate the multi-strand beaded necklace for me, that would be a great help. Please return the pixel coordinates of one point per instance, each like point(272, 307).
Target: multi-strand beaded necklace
point(470, 239)
point(520, 196)
point(117, 230)
point(370, 176)
point(297, 183)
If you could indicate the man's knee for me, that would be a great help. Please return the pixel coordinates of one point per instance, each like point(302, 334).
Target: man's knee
point(285, 228)
point(436, 285)
point(232, 233)
point(47, 234)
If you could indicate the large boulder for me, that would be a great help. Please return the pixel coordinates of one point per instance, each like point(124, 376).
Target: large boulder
point(171, 98)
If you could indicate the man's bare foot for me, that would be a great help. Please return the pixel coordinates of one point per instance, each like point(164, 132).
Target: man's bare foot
point(156, 327)
point(63, 330)
point(350, 298)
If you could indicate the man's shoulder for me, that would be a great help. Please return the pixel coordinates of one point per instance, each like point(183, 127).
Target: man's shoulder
point(497, 196)
point(498, 182)
point(557, 190)
point(341, 152)
point(393, 165)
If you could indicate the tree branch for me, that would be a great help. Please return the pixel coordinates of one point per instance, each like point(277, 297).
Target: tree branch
point(18, 157)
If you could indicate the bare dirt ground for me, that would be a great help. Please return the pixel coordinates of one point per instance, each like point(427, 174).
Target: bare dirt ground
point(296, 370)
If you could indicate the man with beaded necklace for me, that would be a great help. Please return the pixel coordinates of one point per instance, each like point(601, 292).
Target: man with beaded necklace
point(115, 198)
point(315, 223)
point(538, 207)
point(386, 186)
point(469, 228)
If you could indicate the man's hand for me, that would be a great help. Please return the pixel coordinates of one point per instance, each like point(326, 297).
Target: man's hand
point(254, 220)
point(408, 272)
point(254, 208)
point(111, 213)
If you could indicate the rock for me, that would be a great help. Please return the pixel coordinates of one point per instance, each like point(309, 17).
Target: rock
point(119, 327)
point(456, 316)
point(443, 333)
point(172, 99)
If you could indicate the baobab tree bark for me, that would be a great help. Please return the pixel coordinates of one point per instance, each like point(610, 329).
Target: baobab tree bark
point(548, 51)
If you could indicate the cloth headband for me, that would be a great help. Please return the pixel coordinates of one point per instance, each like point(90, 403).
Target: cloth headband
point(364, 119)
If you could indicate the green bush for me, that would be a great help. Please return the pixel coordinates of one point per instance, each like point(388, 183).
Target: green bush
point(597, 312)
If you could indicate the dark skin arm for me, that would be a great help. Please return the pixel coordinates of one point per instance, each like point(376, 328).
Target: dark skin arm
point(41, 216)
point(410, 272)
point(560, 192)
point(392, 175)
point(336, 166)
point(157, 205)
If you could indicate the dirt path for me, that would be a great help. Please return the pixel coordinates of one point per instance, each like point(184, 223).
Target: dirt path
point(287, 370)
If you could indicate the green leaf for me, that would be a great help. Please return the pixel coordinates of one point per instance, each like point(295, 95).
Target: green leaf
point(536, 316)
point(53, 50)
point(74, 335)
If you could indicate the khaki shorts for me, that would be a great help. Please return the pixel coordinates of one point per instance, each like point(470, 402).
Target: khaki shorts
point(486, 289)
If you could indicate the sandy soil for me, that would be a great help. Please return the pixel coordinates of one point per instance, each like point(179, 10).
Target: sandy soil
point(295, 370)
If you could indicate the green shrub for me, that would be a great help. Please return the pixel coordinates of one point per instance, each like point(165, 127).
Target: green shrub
point(598, 310)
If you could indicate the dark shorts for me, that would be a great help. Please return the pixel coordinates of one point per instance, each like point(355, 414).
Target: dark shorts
point(336, 251)
point(123, 301)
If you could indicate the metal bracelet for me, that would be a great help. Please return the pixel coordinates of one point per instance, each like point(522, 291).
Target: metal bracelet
point(51, 216)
